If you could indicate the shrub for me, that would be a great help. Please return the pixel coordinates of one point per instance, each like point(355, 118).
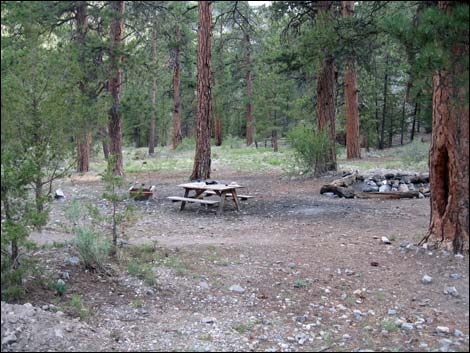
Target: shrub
point(415, 153)
point(92, 249)
point(311, 149)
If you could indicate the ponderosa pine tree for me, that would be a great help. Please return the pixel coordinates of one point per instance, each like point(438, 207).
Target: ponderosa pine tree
point(449, 154)
point(202, 158)
point(114, 86)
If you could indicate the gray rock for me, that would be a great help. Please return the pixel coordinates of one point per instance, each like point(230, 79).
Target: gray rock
point(302, 318)
point(421, 196)
point(291, 265)
point(301, 338)
point(458, 333)
point(73, 260)
point(404, 244)
point(392, 312)
point(385, 240)
point(204, 285)
point(407, 326)
point(371, 183)
point(452, 291)
point(426, 279)
point(455, 276)
point(65, 275)
point(442, 329)
point(208, 320)
point(385, 188)
point(403, 188)
point(368, 188)
point(9, 339)
point(348, 272)
point(236, 288)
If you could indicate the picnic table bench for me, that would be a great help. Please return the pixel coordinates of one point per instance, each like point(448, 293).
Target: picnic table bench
point(202, 189)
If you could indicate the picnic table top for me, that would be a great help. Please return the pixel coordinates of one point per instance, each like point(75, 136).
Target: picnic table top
point(204, 186)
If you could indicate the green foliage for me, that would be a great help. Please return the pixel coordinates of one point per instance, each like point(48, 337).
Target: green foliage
point(92, 248)
point(311, 148)
point(60, 287)
point(415, 153)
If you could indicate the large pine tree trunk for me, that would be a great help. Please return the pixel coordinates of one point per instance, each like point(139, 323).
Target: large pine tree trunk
point(202, 159)
point(115, 121)
point(449, 154)
point(153, 94)
point(353, 145)
point(249, 106)
point(326, 107)
point(176, 93)
point(84, 138)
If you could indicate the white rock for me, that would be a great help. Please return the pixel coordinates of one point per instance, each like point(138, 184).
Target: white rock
point(385, 240)
point(426, 279)
point(442, 329)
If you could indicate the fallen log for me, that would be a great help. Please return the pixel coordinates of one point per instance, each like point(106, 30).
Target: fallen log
point(345, 181)
point(388, 195)
point(347, 193)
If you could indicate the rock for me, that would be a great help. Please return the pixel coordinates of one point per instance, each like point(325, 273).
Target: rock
point(204, 285)
point(344, 296)
point(403, 188)
point(65, 275)
point(392, 312)
point(407, 326)
point(426, 279)
point(385, 240)
point(389, 176)
point(348, 272)
point(236, 288)
point(291, 265)
point(452, 291)
point(444, 344)
point(208, 320)
point(385, 188)
point(60, 282)
point(404, 244)
point(455, 276)
point(371, 183)
point(74, 261)
point(301, 338)
point(458, 333)
point(367, 188)
point(9, 339)
point(301, 319)
point(442, 329)
point(346, 336)
point(421, 196)
point(59, 194)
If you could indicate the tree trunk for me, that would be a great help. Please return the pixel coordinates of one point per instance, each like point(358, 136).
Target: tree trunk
point(84, 138)
point(384, 111)
point(413, 126)
point(115, 121)
point(326, 107)
point(390, 130)
point(353, 144)
point(83, 152)
point(217, 126)
point(202, 159)
point(153, 93)
point(249, 107)
point(176, 93)
point(449, 154)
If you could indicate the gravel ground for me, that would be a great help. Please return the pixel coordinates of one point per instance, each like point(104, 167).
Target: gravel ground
point(292, 271)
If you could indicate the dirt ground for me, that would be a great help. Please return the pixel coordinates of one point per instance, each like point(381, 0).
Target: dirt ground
point(313, 271)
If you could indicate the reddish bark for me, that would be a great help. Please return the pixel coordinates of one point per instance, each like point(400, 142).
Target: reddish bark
point(176, 93)
point(202, 159)
point(326, 107)
point(249, 105)
point(153, 92)
point(449, 154)
point(83, 139)
point(353, 146)
point(114, 87)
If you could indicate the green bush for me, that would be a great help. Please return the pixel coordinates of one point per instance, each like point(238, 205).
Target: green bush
point(415, 153)
point(92, 249)
point(311, 149)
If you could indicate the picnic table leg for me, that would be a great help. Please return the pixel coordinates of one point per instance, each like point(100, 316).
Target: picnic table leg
point(235, 199)
point(222, 202)
point(183, 203)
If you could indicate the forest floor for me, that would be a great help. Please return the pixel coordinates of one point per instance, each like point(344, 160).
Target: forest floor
point(292, 271)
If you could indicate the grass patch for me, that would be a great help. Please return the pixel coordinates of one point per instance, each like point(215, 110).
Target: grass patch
point(390, 325)
point(76, 308)
point(300, 283)
point(243, 328)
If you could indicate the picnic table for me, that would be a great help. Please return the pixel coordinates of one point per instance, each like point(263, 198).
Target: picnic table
point(203, 189)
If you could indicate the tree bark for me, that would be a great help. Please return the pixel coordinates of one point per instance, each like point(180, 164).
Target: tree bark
point(384, 108)
point(176, 93)
point(353, 144)
point(449, 153)
point(84, 138)
point(413, 125)
point(326, 107)
point(202, 159)
point(153, 93)
point(115, 121)
point(103, 134)
point(249, 106)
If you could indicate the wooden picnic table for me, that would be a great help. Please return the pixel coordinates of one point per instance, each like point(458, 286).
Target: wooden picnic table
point(202, 189)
